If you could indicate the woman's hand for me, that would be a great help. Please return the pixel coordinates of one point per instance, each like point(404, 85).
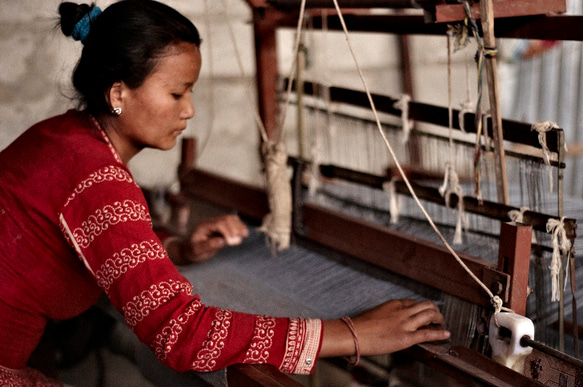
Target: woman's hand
point(207, 238)
point(390, 327)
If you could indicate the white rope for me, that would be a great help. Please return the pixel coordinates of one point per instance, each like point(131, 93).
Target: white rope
point(517, 216)
point(450, 186)
point(293, 67)
point(542, 128)
point(395, 201)
point(403, 104)
point(561, 247)
point(496, 301)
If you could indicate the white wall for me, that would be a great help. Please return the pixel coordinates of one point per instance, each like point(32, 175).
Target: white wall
point(36, 62)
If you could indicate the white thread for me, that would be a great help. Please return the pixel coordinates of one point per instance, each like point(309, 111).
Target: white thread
point(561, 247)
point(451, 185)
point(395, 201)
point(398, 165)
point(403, 104)
point(542, 128)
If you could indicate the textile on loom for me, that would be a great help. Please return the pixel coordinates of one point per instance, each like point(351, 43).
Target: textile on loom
point(79, 226)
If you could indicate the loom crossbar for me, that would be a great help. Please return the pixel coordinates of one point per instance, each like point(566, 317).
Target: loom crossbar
point(514, 131)
point(484, 208)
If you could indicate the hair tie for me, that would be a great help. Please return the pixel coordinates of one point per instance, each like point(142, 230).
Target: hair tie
point(83, 26)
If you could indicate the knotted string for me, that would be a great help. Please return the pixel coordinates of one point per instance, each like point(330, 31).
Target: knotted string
point(561, 247)
point(542, 128)
point(450, 186)
point(518, 217)
point(403, 105)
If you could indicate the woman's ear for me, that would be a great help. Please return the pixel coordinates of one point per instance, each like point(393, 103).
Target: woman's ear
point(114, 95)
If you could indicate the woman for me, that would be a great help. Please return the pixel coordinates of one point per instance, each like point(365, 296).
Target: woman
point(73, 223)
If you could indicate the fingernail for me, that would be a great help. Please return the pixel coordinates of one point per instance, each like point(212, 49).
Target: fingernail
point(234, 240)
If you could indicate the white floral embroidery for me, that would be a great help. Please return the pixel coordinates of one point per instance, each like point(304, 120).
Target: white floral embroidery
point(169, 335)
point(214, 344)
point(151, 299)
point(258, 351)
point(126, 259)
point(118, 212)
point(109, 173)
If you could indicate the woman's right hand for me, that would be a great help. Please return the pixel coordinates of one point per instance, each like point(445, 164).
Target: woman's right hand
point(390, 327)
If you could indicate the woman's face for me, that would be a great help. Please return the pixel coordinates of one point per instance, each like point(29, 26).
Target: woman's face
point(155, 114)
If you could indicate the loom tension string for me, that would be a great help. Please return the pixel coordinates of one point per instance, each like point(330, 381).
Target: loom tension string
point(451, 180)
point(496, 301)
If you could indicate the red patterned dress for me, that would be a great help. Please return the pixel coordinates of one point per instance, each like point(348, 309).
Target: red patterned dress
point(73, 223)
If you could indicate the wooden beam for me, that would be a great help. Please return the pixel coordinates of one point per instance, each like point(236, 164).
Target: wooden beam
point(487, 17)
point(514, 259)
point(255, 375)
point(247, 200)
point(447, 13)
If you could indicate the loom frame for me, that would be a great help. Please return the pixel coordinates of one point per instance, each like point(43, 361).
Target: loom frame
point(251, 201)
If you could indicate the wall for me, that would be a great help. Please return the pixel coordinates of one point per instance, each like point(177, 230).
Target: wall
point(37, 61)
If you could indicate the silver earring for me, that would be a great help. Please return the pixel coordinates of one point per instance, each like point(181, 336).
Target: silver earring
point(116, 111)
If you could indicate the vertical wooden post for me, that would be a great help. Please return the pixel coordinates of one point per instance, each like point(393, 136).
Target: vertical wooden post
point(265, 25)
point(487, 17)
point(514, 259)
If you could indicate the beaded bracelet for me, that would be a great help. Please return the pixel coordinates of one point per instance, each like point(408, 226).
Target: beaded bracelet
point(350, 325)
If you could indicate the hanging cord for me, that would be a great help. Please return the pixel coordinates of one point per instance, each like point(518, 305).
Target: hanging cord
point(496, 301)
point(561, 247)
point(395, 202)
point(451, 180)
point(293, 68)
point(471, 23)
point(451, 186)
point(250, 97)
point(211, 67)
point(542, 128)
point(403, 104)
point(461, 39)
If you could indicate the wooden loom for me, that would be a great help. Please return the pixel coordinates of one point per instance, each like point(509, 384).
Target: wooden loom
point(370, 242)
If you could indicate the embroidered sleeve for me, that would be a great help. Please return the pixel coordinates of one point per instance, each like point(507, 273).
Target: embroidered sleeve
point(107, 221)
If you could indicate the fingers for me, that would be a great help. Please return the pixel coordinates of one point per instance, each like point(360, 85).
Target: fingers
point(229, 227)
point(424, 313)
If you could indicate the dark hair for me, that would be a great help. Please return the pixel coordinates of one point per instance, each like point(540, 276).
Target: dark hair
point(123, 44)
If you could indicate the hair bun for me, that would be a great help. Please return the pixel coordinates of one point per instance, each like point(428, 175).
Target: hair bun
point(76, 19)
point(71, 13)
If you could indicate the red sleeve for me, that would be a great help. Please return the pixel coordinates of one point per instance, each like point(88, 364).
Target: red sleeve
point(106, 220)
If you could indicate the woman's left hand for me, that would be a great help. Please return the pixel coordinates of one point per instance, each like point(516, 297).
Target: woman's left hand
point(211, 235)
